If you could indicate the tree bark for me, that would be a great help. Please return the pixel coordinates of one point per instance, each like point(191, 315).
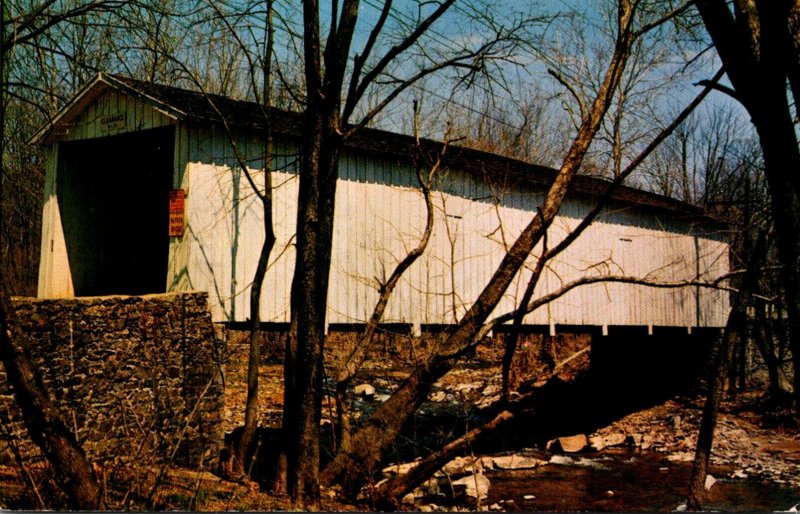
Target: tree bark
point(244, 451)
point(752, 47)
point(352, 468)
point(388, 494)
point(766, 347)
point(734, 330)
point(43, 420)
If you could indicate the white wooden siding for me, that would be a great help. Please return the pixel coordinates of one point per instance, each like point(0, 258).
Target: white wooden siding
point(93, 121)
point(55, 278)
point(380, 216)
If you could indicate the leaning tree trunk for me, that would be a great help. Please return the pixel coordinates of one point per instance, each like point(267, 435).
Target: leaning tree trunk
point(388, 494)
point(765, 343)
point(735, 329)
point(354, 466)
point(757, 48)
point(368, 446)
point(42, 419)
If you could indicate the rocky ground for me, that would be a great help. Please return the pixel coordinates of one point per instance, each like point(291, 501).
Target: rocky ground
point(746, 445)
point(741, 439)
point(749, 444)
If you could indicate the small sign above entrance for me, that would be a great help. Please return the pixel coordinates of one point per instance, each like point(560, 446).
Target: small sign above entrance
point(112, 123)
point(177, 222)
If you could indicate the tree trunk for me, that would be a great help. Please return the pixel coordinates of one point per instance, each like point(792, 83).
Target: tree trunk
point(734, 330)
point(388, 494)
point(754, 55)
point(244, 451)
point(766, 347)
point(43, 420)
point(303, 397)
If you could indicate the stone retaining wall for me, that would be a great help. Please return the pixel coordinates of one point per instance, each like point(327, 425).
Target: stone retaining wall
point(134, 376)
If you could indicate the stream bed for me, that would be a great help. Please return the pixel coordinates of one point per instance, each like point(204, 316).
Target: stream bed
point(627, 480)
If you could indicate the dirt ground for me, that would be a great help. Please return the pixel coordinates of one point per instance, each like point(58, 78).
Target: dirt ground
point(753, 442)
point(749, 442)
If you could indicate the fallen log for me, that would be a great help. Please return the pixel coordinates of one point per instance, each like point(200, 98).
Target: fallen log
point(388, 494)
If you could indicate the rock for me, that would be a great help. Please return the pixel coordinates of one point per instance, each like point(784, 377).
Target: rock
point(365, 390)
point(425, 508)
point(408, 499)
point(491, 390)
point(681, 508)
point(681, 457)
point(739, 474)
point(439, 396)
point(609, 494)
point(515, 462)
point(599, 442)
point(463, 466)
point(465, 388)
point(475, 486)
point(495, 507)
point(398, 469)
point(428, 488)
point(573, 443)
point(710, 481)
point(381, 397)
point(529, 497)
point(561, 459)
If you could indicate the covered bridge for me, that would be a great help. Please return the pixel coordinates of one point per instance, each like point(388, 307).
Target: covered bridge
point(144, 195)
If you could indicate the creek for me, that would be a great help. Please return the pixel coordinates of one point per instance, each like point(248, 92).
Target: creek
point(624, 480)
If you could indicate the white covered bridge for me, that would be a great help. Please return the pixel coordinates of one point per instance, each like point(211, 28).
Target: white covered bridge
point(144, 195)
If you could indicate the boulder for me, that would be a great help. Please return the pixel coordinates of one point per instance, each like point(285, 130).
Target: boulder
point(475, 487)
point(561, 459)
point(710, 481)
point(572, 444)
point(365, 390)
point(463, 466)
point(438, 397)
point(598, 442)
point(681, 457)
point(635, 440)
point(465, 388)
point(515, 462)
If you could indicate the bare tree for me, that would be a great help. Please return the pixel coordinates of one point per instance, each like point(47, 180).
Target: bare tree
point(332, 100)
point(352, 468)
point(734, 330)
point(758, 43)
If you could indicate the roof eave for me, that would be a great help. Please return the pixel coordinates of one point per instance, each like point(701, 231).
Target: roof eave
point(86, 95)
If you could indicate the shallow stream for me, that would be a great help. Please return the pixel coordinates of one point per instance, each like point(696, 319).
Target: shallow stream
point(627, 480)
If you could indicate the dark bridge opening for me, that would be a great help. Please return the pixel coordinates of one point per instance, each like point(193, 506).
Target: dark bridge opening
point(113, 196)
point(627, 372)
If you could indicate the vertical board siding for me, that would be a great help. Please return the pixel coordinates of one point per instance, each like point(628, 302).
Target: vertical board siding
point(380, 217)
point(94, 121)
point(55, 277)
